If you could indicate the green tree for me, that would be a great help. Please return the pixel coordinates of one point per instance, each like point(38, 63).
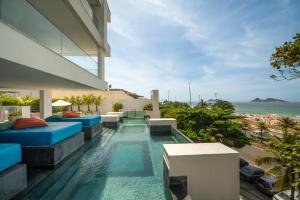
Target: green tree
point(148, 107)
point(71, 100)
point(9, 100)
point(286, 60)
point(88, 100)
point(263, 129)
point(207, 124)
point(202, 103)
point(285, 123)
point(97, 101)
point(78, 102)
point(117, 107)
point(245, 125)
point(285, 161)
point(224, 105)
point(26, 101)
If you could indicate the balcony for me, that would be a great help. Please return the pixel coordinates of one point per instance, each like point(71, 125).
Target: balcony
point(23, 17)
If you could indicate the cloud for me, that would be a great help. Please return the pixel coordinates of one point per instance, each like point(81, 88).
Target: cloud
point(219, 47)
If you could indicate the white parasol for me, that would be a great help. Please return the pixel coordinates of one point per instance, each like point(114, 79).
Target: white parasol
point(60, 103)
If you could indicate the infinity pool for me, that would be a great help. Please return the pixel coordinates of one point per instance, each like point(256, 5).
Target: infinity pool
point(124, 164)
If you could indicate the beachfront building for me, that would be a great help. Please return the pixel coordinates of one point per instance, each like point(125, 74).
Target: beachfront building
point(49, 45)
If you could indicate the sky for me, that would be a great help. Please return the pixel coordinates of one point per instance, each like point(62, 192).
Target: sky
point(219, 46)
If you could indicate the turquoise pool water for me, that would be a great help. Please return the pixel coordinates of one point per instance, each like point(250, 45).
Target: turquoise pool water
point(125, 164)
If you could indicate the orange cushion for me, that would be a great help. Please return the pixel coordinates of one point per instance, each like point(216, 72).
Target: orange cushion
point(28, 123)
point(70, 114)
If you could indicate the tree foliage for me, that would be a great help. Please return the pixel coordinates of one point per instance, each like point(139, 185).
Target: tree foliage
point(148, 107)
point(224, 105)
point(78, 102)
point(284, 160)
point(207, 123)
point(285, 123)
point(286, 60)
point(117, 107)
point(88, 100)
point(263, 129)
point(97, 101)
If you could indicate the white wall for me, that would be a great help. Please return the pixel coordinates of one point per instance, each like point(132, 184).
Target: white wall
point(107, 105)
point(212, 169)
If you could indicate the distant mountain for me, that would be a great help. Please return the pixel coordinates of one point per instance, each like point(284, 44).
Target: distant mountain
point(267, 100)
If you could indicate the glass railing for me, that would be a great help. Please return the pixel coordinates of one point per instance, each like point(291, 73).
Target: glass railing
point(26, 19)
point(134, 114)
point(180, 137)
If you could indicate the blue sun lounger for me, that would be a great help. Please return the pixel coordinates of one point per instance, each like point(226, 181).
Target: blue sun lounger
point(13, 176)
point(46, 146)
point(91, 124)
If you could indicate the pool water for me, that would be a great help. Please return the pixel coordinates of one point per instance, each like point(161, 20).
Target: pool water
point(124, 164)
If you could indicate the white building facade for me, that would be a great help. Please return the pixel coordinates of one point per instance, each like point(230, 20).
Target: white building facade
point(50, 44)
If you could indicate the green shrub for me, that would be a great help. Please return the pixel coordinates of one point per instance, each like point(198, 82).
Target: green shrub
point(9, 100)
point(117, 107)
point(16, 113)
point(148, 107)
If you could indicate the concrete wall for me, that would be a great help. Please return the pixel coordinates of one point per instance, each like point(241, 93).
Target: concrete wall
point(107, 105)
point(155, 103)
point(45, 103)
point(212, 169)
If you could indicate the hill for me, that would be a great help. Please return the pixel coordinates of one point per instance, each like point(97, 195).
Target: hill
point(267, 100)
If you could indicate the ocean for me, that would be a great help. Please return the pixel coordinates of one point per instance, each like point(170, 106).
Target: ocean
point(281, 108)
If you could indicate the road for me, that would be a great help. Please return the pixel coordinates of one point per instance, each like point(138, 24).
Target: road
point(248, 190)
point(250, 153)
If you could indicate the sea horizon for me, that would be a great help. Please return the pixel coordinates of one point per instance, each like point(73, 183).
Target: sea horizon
point(281, 108)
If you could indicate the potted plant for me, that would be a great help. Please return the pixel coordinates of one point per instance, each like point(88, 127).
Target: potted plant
point(117, 107)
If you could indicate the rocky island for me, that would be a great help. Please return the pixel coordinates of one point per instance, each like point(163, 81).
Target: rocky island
point(267, 100)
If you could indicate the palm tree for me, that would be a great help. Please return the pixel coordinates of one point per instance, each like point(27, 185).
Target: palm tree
point(26, 101)
point(245, 126)
point(78, 101)
point(263, 128)
point(71, 100)
point(285, 161)
point(97, 102)
point(88, 100)
point(285, 123)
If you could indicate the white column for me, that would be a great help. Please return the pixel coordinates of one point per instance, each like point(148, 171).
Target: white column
point(155, 103)
point(101, 71)
point(45, 103)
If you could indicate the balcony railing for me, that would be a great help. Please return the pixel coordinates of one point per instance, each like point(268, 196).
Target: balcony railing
point(25, 18)
point(180, 137)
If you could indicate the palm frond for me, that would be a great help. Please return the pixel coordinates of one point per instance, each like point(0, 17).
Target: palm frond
point(266, 160)
point(276, 170)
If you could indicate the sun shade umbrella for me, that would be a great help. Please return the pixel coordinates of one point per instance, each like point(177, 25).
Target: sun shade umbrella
point(60, 103)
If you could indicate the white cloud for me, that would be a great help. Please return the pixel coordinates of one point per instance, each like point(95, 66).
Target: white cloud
point(222, 35)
